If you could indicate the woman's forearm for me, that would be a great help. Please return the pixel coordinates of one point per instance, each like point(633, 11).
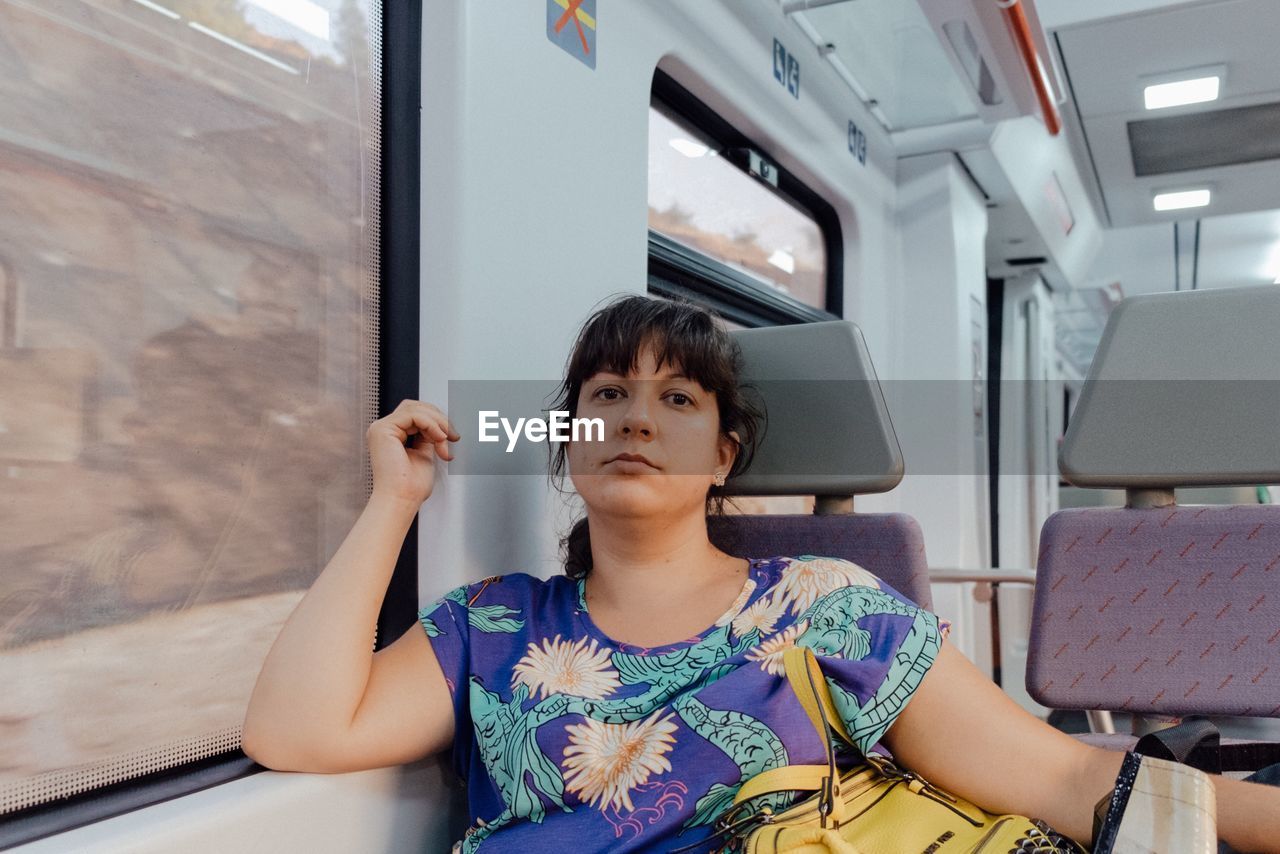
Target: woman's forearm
point(318, 668)
point(1248, 815)
point(1097, 777)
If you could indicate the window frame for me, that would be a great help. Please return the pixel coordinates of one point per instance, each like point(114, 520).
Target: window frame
point(676, 270)
point(398, 337)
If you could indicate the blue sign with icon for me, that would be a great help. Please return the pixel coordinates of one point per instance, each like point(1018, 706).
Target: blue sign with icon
point(786, 68)
point(857, 143)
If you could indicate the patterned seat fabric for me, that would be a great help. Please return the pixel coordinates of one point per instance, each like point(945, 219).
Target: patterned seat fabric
point(889, 545)
point(1159, 612)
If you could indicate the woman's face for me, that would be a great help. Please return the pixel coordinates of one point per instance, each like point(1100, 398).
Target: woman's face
point(662, 445)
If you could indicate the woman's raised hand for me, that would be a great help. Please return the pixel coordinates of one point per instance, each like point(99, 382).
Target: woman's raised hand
point(403, 447)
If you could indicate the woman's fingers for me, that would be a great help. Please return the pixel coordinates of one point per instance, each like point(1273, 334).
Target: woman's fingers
point(402, 445)
point(428, 415)
point(415, 417)
point(441, 429)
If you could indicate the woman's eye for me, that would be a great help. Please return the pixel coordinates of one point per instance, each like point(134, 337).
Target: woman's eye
point(608, 393)
point(681, 399)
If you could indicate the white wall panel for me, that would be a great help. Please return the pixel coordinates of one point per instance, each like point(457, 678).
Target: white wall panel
point(942, 225)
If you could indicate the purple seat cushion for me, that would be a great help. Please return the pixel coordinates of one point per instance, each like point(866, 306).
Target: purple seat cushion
point(889, 545)
point(1172, 611)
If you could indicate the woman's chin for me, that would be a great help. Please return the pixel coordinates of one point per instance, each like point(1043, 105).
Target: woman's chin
point(632, 495)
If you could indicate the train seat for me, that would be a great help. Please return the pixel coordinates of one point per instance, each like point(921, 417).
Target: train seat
point(889, 545)
point(1154, 609)
point(828, 435)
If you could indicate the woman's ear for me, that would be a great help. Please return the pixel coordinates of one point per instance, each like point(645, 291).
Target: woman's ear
point(728, 451)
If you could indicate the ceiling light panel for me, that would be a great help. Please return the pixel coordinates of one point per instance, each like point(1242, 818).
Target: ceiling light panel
point(1182, 92)
point(1181, 199)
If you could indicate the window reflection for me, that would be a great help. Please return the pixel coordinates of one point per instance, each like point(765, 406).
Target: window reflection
point(184, 378)
point(698, 199)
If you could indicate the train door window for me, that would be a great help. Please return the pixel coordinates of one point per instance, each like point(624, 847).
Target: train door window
point(189, 357)
point(728, 227)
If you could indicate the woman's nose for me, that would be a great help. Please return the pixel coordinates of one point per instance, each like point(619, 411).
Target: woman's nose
point(637, 420)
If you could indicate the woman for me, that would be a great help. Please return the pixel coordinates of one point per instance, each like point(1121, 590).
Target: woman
point(621, 706)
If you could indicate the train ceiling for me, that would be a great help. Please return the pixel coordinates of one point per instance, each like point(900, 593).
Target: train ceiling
point(1109, 51)
point(1228, 145)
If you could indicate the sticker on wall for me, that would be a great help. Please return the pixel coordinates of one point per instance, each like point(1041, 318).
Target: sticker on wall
point(786, 68)
point(571, 24)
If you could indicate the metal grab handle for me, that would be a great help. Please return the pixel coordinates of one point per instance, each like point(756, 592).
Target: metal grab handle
point(986, 579)
point(1017, 19)
point(949, 575)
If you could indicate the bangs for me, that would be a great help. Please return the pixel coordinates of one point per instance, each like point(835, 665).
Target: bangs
point(682, 341)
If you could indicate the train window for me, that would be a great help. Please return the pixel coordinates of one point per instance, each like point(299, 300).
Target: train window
point(189, 289)
point(730, 228)
point(706, 203)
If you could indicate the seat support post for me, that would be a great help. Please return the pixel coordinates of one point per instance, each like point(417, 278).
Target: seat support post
point(1100, 721)
point(1149, 499)
point(833, 505)
point(1143, 725)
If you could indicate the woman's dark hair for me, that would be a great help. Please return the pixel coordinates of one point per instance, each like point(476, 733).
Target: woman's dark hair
point(685, 337)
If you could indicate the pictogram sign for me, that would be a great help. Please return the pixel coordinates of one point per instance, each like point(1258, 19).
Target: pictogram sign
point(571, 24)
point(786, 68)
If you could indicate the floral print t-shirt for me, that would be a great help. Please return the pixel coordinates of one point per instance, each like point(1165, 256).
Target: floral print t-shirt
point(571, 741)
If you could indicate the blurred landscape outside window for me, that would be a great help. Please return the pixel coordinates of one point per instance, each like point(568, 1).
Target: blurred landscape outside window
point(187, 362)
point(706, 203)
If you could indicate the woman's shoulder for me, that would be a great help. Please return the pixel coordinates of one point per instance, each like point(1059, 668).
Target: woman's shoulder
point(813, 580)
point(515, 588)
point(822, 562)
point(811, 566)
point(807, 578)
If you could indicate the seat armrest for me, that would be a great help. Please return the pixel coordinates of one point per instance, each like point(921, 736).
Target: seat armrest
point(949, 575)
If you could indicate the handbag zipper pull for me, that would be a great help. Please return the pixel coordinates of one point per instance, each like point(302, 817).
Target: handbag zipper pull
point(917, 783)
point(829, 804)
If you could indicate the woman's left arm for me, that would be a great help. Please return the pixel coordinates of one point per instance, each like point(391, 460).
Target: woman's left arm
point(962, 733)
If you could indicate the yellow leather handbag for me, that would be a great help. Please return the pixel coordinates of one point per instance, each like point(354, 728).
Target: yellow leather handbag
point(873, 808)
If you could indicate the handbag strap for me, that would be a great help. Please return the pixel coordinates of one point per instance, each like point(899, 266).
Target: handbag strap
point(796, 778)
point(1250, 756)
point(810, 687)
point(1196, 742)
point(1176, 744)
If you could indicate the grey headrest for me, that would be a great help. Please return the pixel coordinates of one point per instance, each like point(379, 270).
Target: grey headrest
point(1182, 392)
point(828, 428)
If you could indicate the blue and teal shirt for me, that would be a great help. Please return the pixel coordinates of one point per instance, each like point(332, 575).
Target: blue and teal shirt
point(572, 741)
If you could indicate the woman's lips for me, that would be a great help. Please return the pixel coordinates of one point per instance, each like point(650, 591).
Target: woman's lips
point(631, 463)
